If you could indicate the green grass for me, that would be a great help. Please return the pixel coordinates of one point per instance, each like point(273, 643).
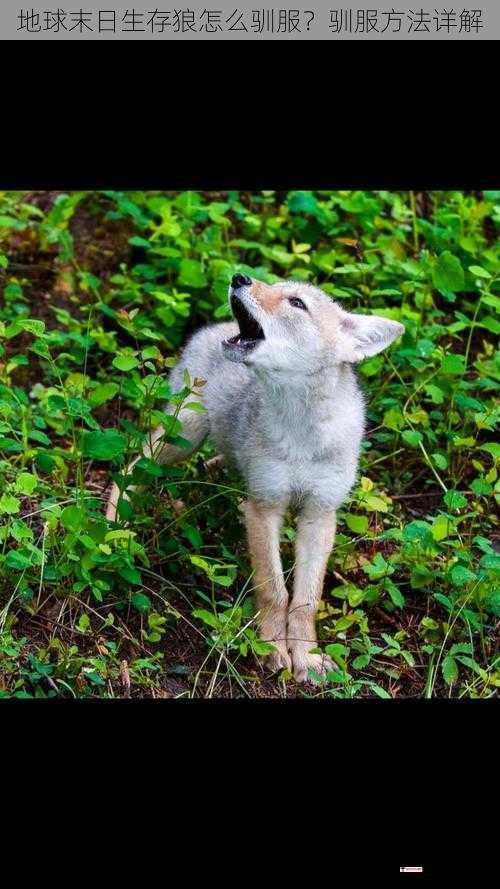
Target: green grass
point(98, 292)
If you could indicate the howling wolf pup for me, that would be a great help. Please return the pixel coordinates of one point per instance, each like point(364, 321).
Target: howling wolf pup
point(283, 405)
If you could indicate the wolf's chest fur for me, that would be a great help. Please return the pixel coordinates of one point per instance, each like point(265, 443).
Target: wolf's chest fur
point(291, 436)
point(292, 439)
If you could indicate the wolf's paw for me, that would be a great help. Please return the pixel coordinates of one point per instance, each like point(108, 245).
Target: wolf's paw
point(215, 463)
point(279, 659)
point(304, 661)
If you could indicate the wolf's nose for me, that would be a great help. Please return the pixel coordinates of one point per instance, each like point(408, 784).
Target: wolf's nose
point(241, 281)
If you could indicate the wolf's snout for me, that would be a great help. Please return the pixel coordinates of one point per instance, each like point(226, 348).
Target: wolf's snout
point(241, 281)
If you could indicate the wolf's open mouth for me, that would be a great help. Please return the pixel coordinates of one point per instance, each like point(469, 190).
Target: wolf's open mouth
point(250, 330)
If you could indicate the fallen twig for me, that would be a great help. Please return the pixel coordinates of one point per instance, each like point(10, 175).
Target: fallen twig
point(125, 677)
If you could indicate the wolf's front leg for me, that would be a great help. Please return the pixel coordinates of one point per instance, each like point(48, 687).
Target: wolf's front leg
point(314, 541)
point(263, 523)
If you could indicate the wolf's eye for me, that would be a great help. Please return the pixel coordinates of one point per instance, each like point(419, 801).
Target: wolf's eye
point(295, 301)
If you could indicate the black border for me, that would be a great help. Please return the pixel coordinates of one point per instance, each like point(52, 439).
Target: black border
point(250, 116)
point(294, 790)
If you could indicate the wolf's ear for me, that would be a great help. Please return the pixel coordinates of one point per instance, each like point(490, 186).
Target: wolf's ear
point(360, 336)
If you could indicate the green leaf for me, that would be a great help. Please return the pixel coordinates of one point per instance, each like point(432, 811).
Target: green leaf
point(105, 445)
point(11, 222)
point(481, 487)
point(141, 601)
point(444, 600)
point(194, 406)
point(420, 576)
point(425, 348)
point(378, 568)
point(151, 334)
point(450, 670)
point(455, 500)
point(83, 622)
point(453, 365)
point(360, 662)
point(440, 461)
point(207, 617)
point(442, 526)
point(191, 274)
point(447, 273)
point(356, 523)
point(460, 648)
point(374, 503)
point(337, 651)
point(102, 393)
point(10, 445)
point(125, 362)
point(435, 393)
point(31, 325)
point(225, 580)
point(26, 483)
point(354, 595)
point(461, 575)
point(412, 438)
point(395, 594)
point(471, 663)
point(20, 530)
point(36, 435)
point(9, 504)
point(302, 202)
point(17, 560)
point(393, 419)
point(408, 657)
point(429, 623)
point(262, 648)
point(45, 462)
point(490, 323)
point(136, 241)
point(418, 532)
point(23, 558)
point(484, 544)
point(492, 603)
point(73, 518)
point(372, 366)
point(94, 677)
point(492, 447)
point(121, 534)
point(478, 271)
point(381, 692)
point(491, 562)
point(131, 575)
point(151, 352)
point(390, 641)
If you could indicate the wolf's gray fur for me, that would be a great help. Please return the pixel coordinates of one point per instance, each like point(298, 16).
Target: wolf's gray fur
point(291, 437)
point(283, 404)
